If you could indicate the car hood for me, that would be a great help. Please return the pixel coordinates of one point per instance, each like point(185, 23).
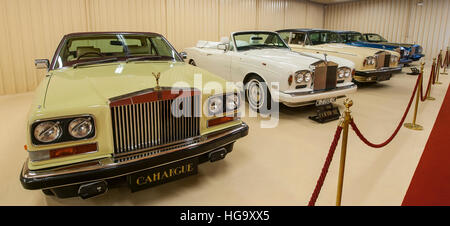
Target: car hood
point(96, 84)
point(293, 58)
point(395, 44)
point(346, 49)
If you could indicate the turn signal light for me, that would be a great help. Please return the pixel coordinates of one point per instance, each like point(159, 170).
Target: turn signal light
point(221, 120)
point(62, 152)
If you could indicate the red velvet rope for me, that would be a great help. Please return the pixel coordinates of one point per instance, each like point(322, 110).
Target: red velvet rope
point(325, 167)
point(424, 97)
point(360, 135)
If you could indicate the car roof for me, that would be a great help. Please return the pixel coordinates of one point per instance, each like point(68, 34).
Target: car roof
point(355, 32)
point(252, 31)
point(303, 30)
point(75, 34)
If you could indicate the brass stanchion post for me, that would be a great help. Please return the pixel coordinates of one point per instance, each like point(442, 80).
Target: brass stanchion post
point(344, 124)
point(445, 66)
point(413, 125)
point(438, 68)
point(429, 97)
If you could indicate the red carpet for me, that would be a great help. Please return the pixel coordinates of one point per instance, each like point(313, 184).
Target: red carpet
point(430, 185)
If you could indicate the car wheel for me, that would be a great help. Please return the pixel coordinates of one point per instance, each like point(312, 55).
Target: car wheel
point(192, 62)
point(258, 95)
point(48, 192)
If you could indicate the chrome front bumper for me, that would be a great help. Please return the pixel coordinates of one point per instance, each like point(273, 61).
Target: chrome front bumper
point(381, 74)
point(109, 168)
point(296, 99)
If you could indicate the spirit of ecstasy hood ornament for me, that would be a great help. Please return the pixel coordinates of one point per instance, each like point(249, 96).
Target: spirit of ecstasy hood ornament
point(326, 61)
point(157, 87)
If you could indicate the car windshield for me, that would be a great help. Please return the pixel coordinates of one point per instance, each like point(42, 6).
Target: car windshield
point(375, 38)
point(352, 37)
point(322, 37)
point(102, 48)
point(258, 40)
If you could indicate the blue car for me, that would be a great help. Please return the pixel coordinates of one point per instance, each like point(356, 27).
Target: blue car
point(408, 52)
point(414, 50)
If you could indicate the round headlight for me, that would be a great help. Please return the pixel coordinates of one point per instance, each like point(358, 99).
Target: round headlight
point(232, 102)
point(299, 77)
point(348, 72)
point(80, 127)
point(47, 131)
point(393, 58)
point(215, 105)
point(341, 73)
point(307, 77)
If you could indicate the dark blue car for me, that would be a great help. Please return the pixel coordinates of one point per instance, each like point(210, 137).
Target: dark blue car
point(414, 50)
point(408, 52)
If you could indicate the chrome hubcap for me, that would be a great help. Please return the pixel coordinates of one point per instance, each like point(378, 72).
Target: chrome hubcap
point(255, 94)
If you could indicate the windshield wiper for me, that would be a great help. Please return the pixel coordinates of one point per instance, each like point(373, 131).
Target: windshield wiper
point(158, 57)
point(95, 62)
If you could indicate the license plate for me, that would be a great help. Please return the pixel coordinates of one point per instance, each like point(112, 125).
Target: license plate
point(325, 101)
point(383, 77)
point(161, 175)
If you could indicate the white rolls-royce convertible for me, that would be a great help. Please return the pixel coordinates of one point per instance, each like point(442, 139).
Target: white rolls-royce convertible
point(265, 67)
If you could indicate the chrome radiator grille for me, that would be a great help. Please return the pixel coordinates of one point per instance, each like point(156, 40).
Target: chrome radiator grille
point(325, 75)
point(382, 59)
point(149, 124)
point(387, 60)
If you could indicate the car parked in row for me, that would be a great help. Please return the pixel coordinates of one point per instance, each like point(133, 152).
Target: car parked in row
point(265, 66)
point(109, 110)
point(372, 65)
point(415, 51)
point(408, 52)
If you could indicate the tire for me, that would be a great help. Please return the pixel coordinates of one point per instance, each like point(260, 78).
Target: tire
point(258, 95)
point(192, 62)
point(48, 192)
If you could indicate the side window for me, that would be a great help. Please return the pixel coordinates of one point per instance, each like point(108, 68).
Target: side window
point(285, 36)
point(344, 37)
point(313, 38)
point(298, 38)
point(373, 38)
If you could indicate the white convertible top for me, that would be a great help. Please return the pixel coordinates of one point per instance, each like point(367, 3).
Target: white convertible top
point(207, 44)
point(211, 44)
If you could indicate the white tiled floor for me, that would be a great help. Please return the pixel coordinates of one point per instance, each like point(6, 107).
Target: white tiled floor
point(276, 166)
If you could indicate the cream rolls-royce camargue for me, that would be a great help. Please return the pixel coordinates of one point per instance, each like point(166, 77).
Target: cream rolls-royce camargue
point(259, 59)
point(372, 65)
point(124, 107)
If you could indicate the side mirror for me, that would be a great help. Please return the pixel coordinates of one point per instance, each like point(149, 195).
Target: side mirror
point(222, 47)
point(183, 55)
point(41, 63)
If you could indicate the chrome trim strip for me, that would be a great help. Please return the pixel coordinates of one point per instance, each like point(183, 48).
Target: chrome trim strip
point(321, 91)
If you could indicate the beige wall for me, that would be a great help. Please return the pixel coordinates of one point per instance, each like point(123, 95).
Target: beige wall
point(398, 21)
point(33, 28)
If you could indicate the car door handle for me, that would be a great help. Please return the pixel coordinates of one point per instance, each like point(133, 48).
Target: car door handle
point(208, 54)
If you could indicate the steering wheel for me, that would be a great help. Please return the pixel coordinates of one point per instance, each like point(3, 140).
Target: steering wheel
point(87, 53)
